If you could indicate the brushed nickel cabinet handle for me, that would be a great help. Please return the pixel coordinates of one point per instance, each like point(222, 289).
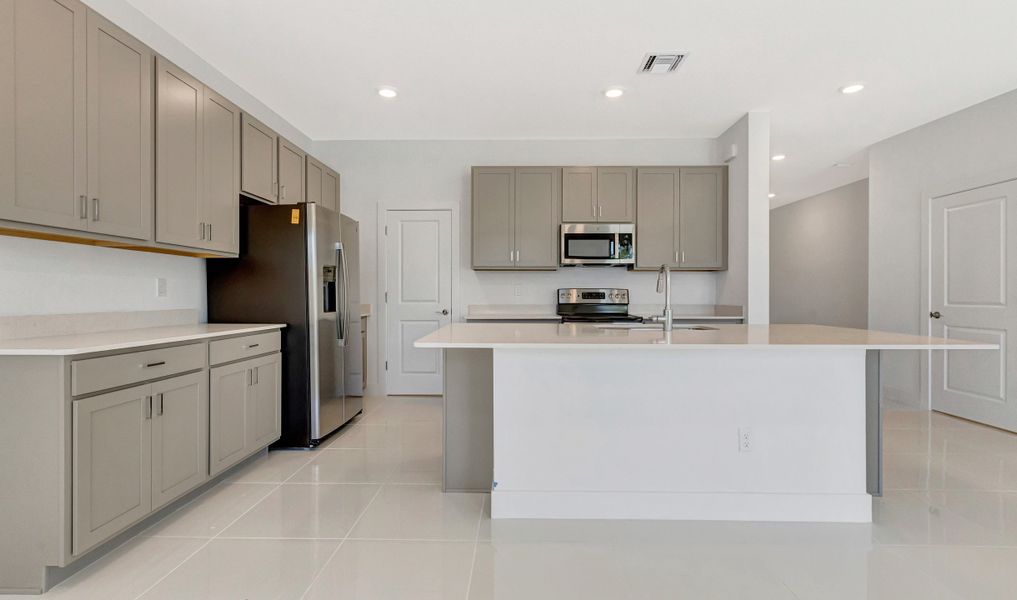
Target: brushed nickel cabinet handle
point(95, 209)
point(83, 205)
point(160, 405)
point(250, 377)
point(201, 230)
point(249, 346)
point(148, 407)
point(210, 232)
point(155, 364)
point(600, 212)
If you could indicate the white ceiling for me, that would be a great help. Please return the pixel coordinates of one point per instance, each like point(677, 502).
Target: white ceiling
point(536, 69)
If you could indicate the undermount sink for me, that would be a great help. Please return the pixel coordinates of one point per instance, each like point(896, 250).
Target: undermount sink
point(652, 326)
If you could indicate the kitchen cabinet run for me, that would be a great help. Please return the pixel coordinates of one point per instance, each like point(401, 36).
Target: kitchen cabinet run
point(516, 217)
point(681, 218)
point(598, 195)
point(78, 109)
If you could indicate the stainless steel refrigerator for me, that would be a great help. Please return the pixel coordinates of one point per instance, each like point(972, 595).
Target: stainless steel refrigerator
point(292, 269)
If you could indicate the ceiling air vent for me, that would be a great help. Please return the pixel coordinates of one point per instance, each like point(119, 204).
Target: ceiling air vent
point(661, 63)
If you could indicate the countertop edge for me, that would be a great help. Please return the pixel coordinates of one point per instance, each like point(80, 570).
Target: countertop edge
point(127, 345)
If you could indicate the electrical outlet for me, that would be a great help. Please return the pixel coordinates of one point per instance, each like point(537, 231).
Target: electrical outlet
point(160, 287)
point(744, 439)
point(517, 290)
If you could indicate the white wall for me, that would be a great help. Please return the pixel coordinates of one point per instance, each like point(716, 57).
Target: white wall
point(973, 142)
point(747, 279)
point(425, 174)
point(41, 277)
point(819, 260)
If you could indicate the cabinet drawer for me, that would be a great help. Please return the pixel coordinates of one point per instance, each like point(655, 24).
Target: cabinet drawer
point(231, 349)
point(95, 374)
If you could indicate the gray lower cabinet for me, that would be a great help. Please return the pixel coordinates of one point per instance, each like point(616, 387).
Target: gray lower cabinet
point(259, 155)
point(179, 436)
point(598, 194)
point(682, 218)
point(75, 98)
point(244, 409)
point(112, 475)
point(516, 217)
point(291, 172)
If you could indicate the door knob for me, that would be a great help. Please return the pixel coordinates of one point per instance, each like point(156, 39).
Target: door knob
point(443, 311)
point(935, 314)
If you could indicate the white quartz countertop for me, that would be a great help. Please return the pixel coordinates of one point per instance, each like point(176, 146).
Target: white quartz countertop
point(86, 343)
point(540, 312)
point(584, 335)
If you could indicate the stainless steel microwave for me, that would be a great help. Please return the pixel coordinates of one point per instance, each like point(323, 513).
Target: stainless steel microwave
point(610, 244)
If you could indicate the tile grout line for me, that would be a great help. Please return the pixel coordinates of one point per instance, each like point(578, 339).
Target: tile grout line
point(476, 545)
point(209, 540)
point(342, 542)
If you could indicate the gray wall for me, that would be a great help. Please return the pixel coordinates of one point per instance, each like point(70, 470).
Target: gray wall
point(973, 143)
point(819, 263)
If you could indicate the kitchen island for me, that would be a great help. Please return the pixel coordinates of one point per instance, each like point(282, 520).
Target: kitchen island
point(726, 422)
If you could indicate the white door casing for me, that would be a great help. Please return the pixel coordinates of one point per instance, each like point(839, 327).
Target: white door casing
point(418, 251)
point(972, 278)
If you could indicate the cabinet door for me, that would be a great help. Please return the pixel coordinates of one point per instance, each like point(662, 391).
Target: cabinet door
point(330, 189)
point(264, 403)
point(228, 415)
point(291, 173)
point(179, 436)
point(493, 217)
point(315, 173)
point(579, 195)
point(112, 472)
point(537, 198)
point(119, 93)
point(259, 160)
point(702, 218)
point(657, 217)
point(616, 194)
point(179, 156)
point(220, 200)
point(42, 112)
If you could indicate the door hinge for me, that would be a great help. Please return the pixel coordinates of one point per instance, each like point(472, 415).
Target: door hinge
point(386, 230)
point(386, 365)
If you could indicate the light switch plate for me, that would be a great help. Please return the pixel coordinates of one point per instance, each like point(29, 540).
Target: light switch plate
point(160, 287)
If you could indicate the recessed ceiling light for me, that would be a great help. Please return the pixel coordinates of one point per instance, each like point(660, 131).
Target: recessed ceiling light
point(853, 88)
point(771, 195)
point(614, 93)
point(778, 157)
point(387, 92)
point(842, 165)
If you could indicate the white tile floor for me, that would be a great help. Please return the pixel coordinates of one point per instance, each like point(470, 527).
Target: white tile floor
point(364, 518)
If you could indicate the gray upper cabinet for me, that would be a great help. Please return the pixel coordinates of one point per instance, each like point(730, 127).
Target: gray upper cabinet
point(197, 163)
point(616, 194)
point(220, 200)
point(682, 218)
point(657, 217)
point(515, 217)
point(702, 218)
point(579, 195)
point(291, 173)
point(179, 436)
point(42, 112)
point(119, 131)
point(179, 156)
point(537, 198)
point(111, 464)
point(598, 194)
point(322, 184)
point(259, 155)
point(493, 218)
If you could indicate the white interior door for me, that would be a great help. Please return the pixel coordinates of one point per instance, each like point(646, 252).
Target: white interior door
point(973, 254)
point(419, 292)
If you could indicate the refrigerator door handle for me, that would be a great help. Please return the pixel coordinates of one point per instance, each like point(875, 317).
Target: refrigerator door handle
point(340, 286)
point(346, 298)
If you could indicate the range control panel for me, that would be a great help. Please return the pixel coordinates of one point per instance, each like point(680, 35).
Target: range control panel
point(593, 296)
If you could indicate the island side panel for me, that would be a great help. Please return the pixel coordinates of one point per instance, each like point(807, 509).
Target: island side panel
point(651, 434)
point(467, 429)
